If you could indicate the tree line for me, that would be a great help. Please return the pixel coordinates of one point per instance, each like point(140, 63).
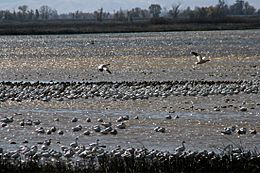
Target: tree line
point(155, 11)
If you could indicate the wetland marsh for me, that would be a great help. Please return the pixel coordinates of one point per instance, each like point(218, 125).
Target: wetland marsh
point(45, 77)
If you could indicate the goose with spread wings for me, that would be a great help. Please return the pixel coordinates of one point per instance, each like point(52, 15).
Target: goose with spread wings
point(104, 67)
point(200, 59)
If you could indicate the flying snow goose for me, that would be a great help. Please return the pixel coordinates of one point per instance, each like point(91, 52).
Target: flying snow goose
point(104, 67)
point(201, 59)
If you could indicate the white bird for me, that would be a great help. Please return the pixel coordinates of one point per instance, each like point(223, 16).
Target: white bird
point(15, 155)
point(74, 144)
point(104, 67)
point(96, 144)
point(181, 148)
point(32, 151)
point(227, 131)
point(44, 147)
point(106, 124)
point(7, 120)
point(56, 154)
point(201, 59)
point(69, 153)
point(24, 148)
point(47, 142)
point(77, 128)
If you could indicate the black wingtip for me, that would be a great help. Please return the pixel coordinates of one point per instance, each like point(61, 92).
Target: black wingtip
point(195, 53)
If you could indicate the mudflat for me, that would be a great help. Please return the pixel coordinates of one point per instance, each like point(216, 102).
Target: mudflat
point(135, 57)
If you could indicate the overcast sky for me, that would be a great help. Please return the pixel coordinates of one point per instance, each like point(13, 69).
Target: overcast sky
point(64, 6)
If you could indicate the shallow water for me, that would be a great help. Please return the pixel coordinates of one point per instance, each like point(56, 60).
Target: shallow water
point(199, 130)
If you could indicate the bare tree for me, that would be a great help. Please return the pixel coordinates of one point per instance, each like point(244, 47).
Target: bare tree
point(155, 10)
point(23, 11)
point(120, 15)
point(248, 9)
point(99, 14)
point(241, 7)
point(37, 14)
point(237, 7)
point(174, 12)
point(31, 15)
point(222, 8)
point(46, 12)
point(258, 12)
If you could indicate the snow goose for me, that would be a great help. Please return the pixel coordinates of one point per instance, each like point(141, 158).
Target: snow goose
point(200, 59)
point(181, 148)
point(104, 67)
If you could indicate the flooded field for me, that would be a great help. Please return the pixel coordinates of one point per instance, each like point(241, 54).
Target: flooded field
point(196, 119)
